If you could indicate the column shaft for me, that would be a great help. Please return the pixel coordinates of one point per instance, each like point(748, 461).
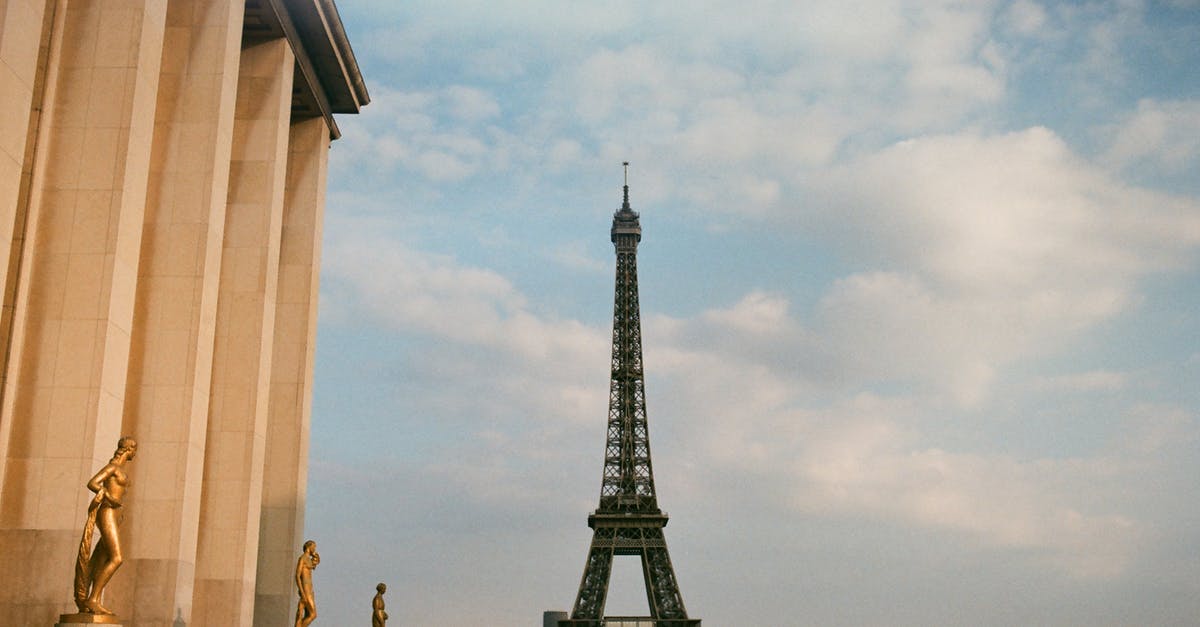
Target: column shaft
point(286, 469)
point(237, 425)
point(25, 29)
point(74, 304)
point(170, 370)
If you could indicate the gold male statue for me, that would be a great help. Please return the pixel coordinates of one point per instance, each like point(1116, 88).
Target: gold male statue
point(306, 610)
point(378, 616)
point(94, 569)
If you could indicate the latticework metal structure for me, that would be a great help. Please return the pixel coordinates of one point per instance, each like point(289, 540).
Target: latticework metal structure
point(628, 521)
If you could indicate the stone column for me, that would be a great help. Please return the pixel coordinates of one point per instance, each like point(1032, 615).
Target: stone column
point(227, 561)
point(170, 368)
point(73, 313)
point(24, 45)
point(281, 525)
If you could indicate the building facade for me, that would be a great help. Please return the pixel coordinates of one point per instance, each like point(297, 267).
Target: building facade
point(162, 182)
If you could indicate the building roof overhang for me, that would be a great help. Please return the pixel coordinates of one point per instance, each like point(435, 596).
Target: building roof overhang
point(327, 79)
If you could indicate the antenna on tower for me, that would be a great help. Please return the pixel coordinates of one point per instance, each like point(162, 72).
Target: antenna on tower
point(626, 205)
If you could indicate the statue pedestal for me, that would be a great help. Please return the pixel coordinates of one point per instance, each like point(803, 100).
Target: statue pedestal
point(73, 620)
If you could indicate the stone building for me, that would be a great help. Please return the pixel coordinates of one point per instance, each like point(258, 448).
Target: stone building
point(162, 182)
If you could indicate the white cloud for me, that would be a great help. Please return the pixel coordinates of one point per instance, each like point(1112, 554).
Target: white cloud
point(997, 248)
point(408, 289)
point(470, 104)
point(1025, 16)
point(705, 93)
point(495, 64)
point(758, 313)
point(574, 255)
point(943, 49)
point(885, 326)
point(1166, 133)
point(1005, 502)
point(728, 113)
point(864, 455)
point(564, 152)
point(481, 327)
point(442, 135)
point(1091, 381)
point(1154, 428)
point(442, 166)
point(1012, 211)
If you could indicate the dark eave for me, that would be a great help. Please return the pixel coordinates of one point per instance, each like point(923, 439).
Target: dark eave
point(327, 78)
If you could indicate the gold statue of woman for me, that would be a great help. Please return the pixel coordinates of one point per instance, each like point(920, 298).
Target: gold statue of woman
point(378, 616)
point(306, 609)
point(94, 569)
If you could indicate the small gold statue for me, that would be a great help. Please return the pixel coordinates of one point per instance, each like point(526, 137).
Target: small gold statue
point(378, 616)
point(93, 570)
point(306, 610)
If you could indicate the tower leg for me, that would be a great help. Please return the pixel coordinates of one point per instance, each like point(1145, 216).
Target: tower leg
point(661, 587)
point(593, 587)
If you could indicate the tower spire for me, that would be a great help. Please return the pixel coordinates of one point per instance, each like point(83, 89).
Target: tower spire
point(628, 520)
point(626, 231)
point(626, 205)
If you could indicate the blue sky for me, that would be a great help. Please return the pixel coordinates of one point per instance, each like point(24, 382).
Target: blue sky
point(919, 287)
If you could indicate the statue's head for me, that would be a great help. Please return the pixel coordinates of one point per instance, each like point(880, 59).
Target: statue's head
point(310, 546)
point(127, 446)
point(381, 588)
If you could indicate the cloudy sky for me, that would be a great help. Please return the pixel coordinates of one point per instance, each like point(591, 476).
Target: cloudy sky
point(920, 287)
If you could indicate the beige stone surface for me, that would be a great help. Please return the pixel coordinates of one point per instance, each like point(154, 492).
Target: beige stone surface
point(69, 338)
point(159, 245)
point(227, 562)
point(37, 596)
point(64, 326)
point(24, 44)
point(180, 256)
point(281, 523)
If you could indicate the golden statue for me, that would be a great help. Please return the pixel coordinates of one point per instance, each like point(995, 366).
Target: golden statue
point(94, 569)
point(378, 616)
point(306, 610)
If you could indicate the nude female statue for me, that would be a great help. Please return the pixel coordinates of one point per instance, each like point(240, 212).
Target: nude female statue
point(306, 609)
point(378, 616)
point(93, 570)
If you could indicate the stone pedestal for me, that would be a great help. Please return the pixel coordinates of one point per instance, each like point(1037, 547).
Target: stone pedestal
point(77, 620)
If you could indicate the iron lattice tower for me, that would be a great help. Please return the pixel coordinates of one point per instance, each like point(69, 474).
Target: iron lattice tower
point(628, 520)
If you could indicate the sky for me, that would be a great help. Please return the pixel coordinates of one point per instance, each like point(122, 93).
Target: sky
point(920, 291)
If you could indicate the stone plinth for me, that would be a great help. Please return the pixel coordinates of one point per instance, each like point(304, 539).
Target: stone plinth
point(72, 620)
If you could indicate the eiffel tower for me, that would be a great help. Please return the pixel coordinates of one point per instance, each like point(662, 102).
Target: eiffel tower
point(628, 521)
